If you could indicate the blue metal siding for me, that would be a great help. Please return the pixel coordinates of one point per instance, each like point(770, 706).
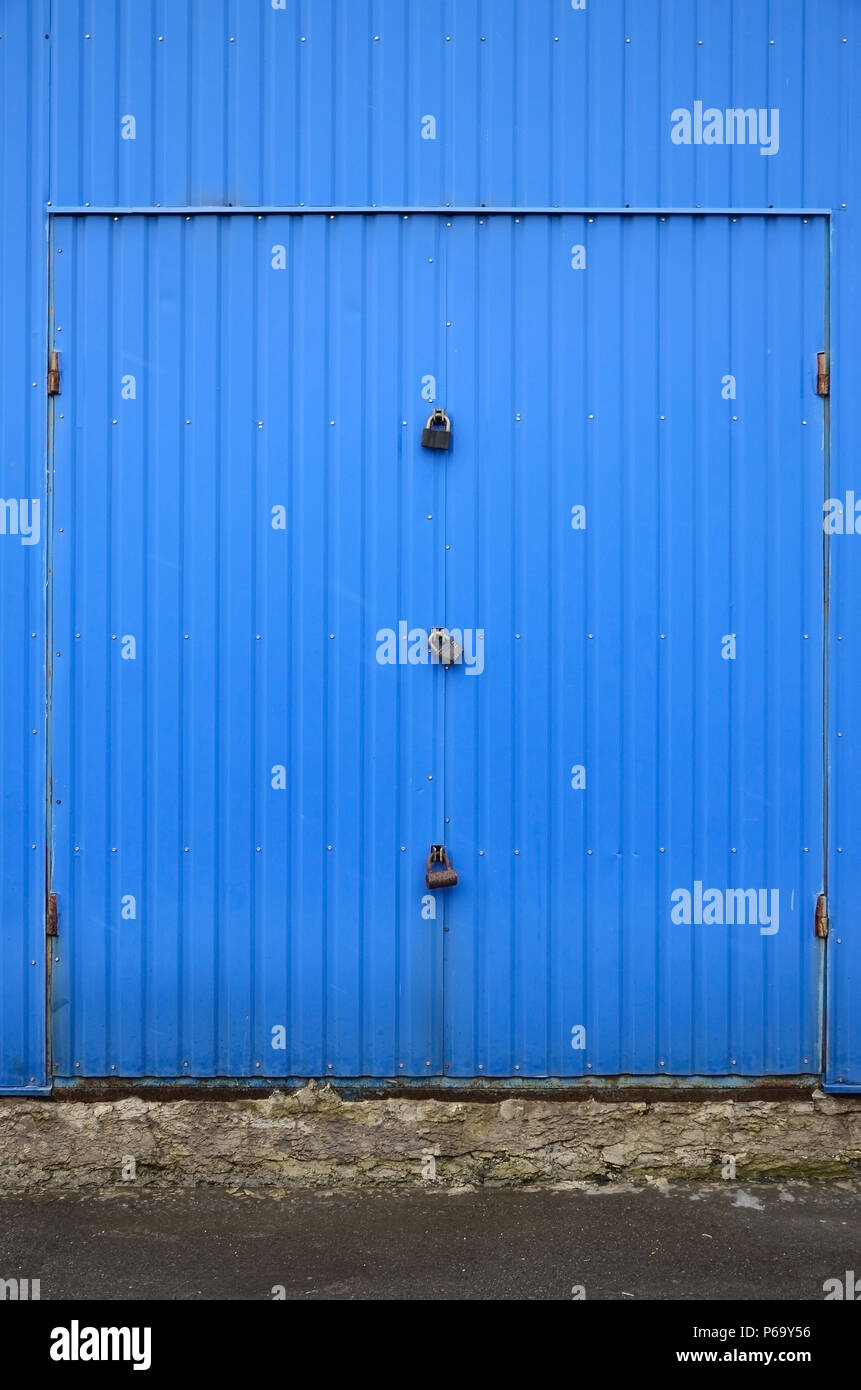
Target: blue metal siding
point(321, 103)
point(24, 74)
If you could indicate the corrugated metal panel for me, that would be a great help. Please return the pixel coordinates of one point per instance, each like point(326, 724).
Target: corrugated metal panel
point(23, 280)
point(255, 907)
point(603, 388)
point(256, 649)
point(325, 102)
point(534, 104)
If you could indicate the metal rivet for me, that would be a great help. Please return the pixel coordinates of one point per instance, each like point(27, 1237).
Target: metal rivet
point(839, 734)
point(330, 848)
point(517, 851)
point(661, 851)
point(185, 849)
point(403, 849)
point(257, 848)
point(839, 849)
point(331, 636)
point(430, 776)
point(805, 849)
point(588, 851)
point(481, 852)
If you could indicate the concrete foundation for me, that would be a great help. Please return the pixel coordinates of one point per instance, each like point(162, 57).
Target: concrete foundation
point(313, 1137)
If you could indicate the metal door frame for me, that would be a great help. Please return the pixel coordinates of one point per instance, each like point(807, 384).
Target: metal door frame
point(436, 1081)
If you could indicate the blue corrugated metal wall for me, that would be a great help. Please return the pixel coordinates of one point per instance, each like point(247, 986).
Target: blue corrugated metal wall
point(24, 74)
point(433, 105)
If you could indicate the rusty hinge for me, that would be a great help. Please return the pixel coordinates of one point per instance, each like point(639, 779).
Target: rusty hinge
point(53, 374)
point(51, 916)
point(820, 922)
point(823, 375)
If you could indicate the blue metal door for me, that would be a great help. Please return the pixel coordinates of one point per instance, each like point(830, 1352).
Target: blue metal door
point(634, 514)
point(252, 751)
point(244, 793)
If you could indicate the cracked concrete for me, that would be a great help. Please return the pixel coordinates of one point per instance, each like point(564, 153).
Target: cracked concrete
point(314, 1137)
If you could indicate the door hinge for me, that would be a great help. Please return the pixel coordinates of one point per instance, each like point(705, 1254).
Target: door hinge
point(823, 375)
point(820, 922)
point(51, 916)
point(53, 374)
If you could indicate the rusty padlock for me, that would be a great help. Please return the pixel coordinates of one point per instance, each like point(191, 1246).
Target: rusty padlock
point(437, 432)
point(438, 870)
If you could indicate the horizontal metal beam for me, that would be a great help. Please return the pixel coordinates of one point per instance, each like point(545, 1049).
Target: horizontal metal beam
point(303, 210)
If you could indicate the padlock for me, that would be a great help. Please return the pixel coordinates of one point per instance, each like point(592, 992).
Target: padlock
point(438, 870)
point(443, 648)
point(437, 432)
